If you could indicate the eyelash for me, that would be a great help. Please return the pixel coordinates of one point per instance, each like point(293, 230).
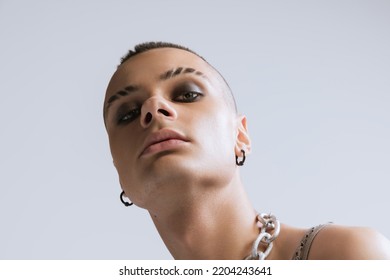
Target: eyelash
point(197, 95)
point(134, 113)
point(129, 116)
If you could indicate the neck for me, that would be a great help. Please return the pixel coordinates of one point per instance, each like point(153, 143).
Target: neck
point(218, 224)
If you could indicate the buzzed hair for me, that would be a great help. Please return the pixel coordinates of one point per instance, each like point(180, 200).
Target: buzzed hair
point(143, 47)
point(147, 46)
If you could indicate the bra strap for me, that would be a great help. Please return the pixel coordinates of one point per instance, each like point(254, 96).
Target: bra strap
point(302, 252)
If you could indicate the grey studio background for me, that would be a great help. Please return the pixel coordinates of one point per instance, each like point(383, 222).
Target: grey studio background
point(312, 77)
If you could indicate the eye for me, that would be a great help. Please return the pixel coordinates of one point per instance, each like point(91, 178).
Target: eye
point(189, 96)
point(128, 116)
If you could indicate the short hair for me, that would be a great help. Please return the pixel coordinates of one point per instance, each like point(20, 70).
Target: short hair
point(147, 46)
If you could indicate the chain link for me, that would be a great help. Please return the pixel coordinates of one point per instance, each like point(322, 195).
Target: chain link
point(269, 230)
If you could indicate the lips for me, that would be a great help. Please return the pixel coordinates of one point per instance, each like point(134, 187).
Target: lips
point(162, 140)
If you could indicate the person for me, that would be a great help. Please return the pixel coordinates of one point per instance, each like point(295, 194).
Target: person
point(177, 143)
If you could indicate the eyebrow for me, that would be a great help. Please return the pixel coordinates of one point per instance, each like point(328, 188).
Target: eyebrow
point(163, 77)
point(174, 72)
point(124, 92)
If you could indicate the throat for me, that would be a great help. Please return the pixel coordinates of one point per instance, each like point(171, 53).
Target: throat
point(200, 233)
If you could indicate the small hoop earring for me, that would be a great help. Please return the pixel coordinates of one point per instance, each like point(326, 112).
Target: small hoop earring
point(127, 204)
point(241, 162)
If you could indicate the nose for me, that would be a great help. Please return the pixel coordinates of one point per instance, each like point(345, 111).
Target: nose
point(156, 108)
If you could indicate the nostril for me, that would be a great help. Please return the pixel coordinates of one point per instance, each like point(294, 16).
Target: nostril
point(148, 117)
point(164, 112)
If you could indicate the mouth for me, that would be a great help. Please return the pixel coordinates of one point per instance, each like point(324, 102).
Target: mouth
point(162, 140)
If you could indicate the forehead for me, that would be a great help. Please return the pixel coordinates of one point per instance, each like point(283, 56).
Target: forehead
point(146, 68)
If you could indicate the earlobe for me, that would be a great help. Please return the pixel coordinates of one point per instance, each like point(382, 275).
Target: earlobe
point(243, 141)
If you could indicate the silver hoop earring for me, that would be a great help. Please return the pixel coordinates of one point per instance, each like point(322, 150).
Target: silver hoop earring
point(241, 162)
point(127, 204)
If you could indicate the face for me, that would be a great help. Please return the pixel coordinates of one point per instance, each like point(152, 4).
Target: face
point(171, 132)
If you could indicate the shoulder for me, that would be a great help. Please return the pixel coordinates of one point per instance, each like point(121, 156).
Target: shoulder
point(336, 242)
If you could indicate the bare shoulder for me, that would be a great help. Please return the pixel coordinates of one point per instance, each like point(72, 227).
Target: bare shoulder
point(336, 242)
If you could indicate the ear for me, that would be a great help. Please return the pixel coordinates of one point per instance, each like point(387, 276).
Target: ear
point(243, 141)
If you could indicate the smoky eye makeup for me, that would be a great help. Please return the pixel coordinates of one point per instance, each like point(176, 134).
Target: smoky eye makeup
point(127, 112)
point(186, 87)
point(187, 93)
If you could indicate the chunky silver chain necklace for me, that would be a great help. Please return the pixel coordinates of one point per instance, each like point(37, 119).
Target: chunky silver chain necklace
point(269, 229)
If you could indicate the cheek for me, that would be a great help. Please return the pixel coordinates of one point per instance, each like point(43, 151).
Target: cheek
point(121, 150)
point(124, 153)
point(115, 147)
point(218, 135)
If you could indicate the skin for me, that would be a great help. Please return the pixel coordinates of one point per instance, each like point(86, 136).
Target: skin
point(192, 188)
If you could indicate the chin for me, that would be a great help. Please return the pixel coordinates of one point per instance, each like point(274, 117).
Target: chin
point(166, 160)
point(172, 166)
